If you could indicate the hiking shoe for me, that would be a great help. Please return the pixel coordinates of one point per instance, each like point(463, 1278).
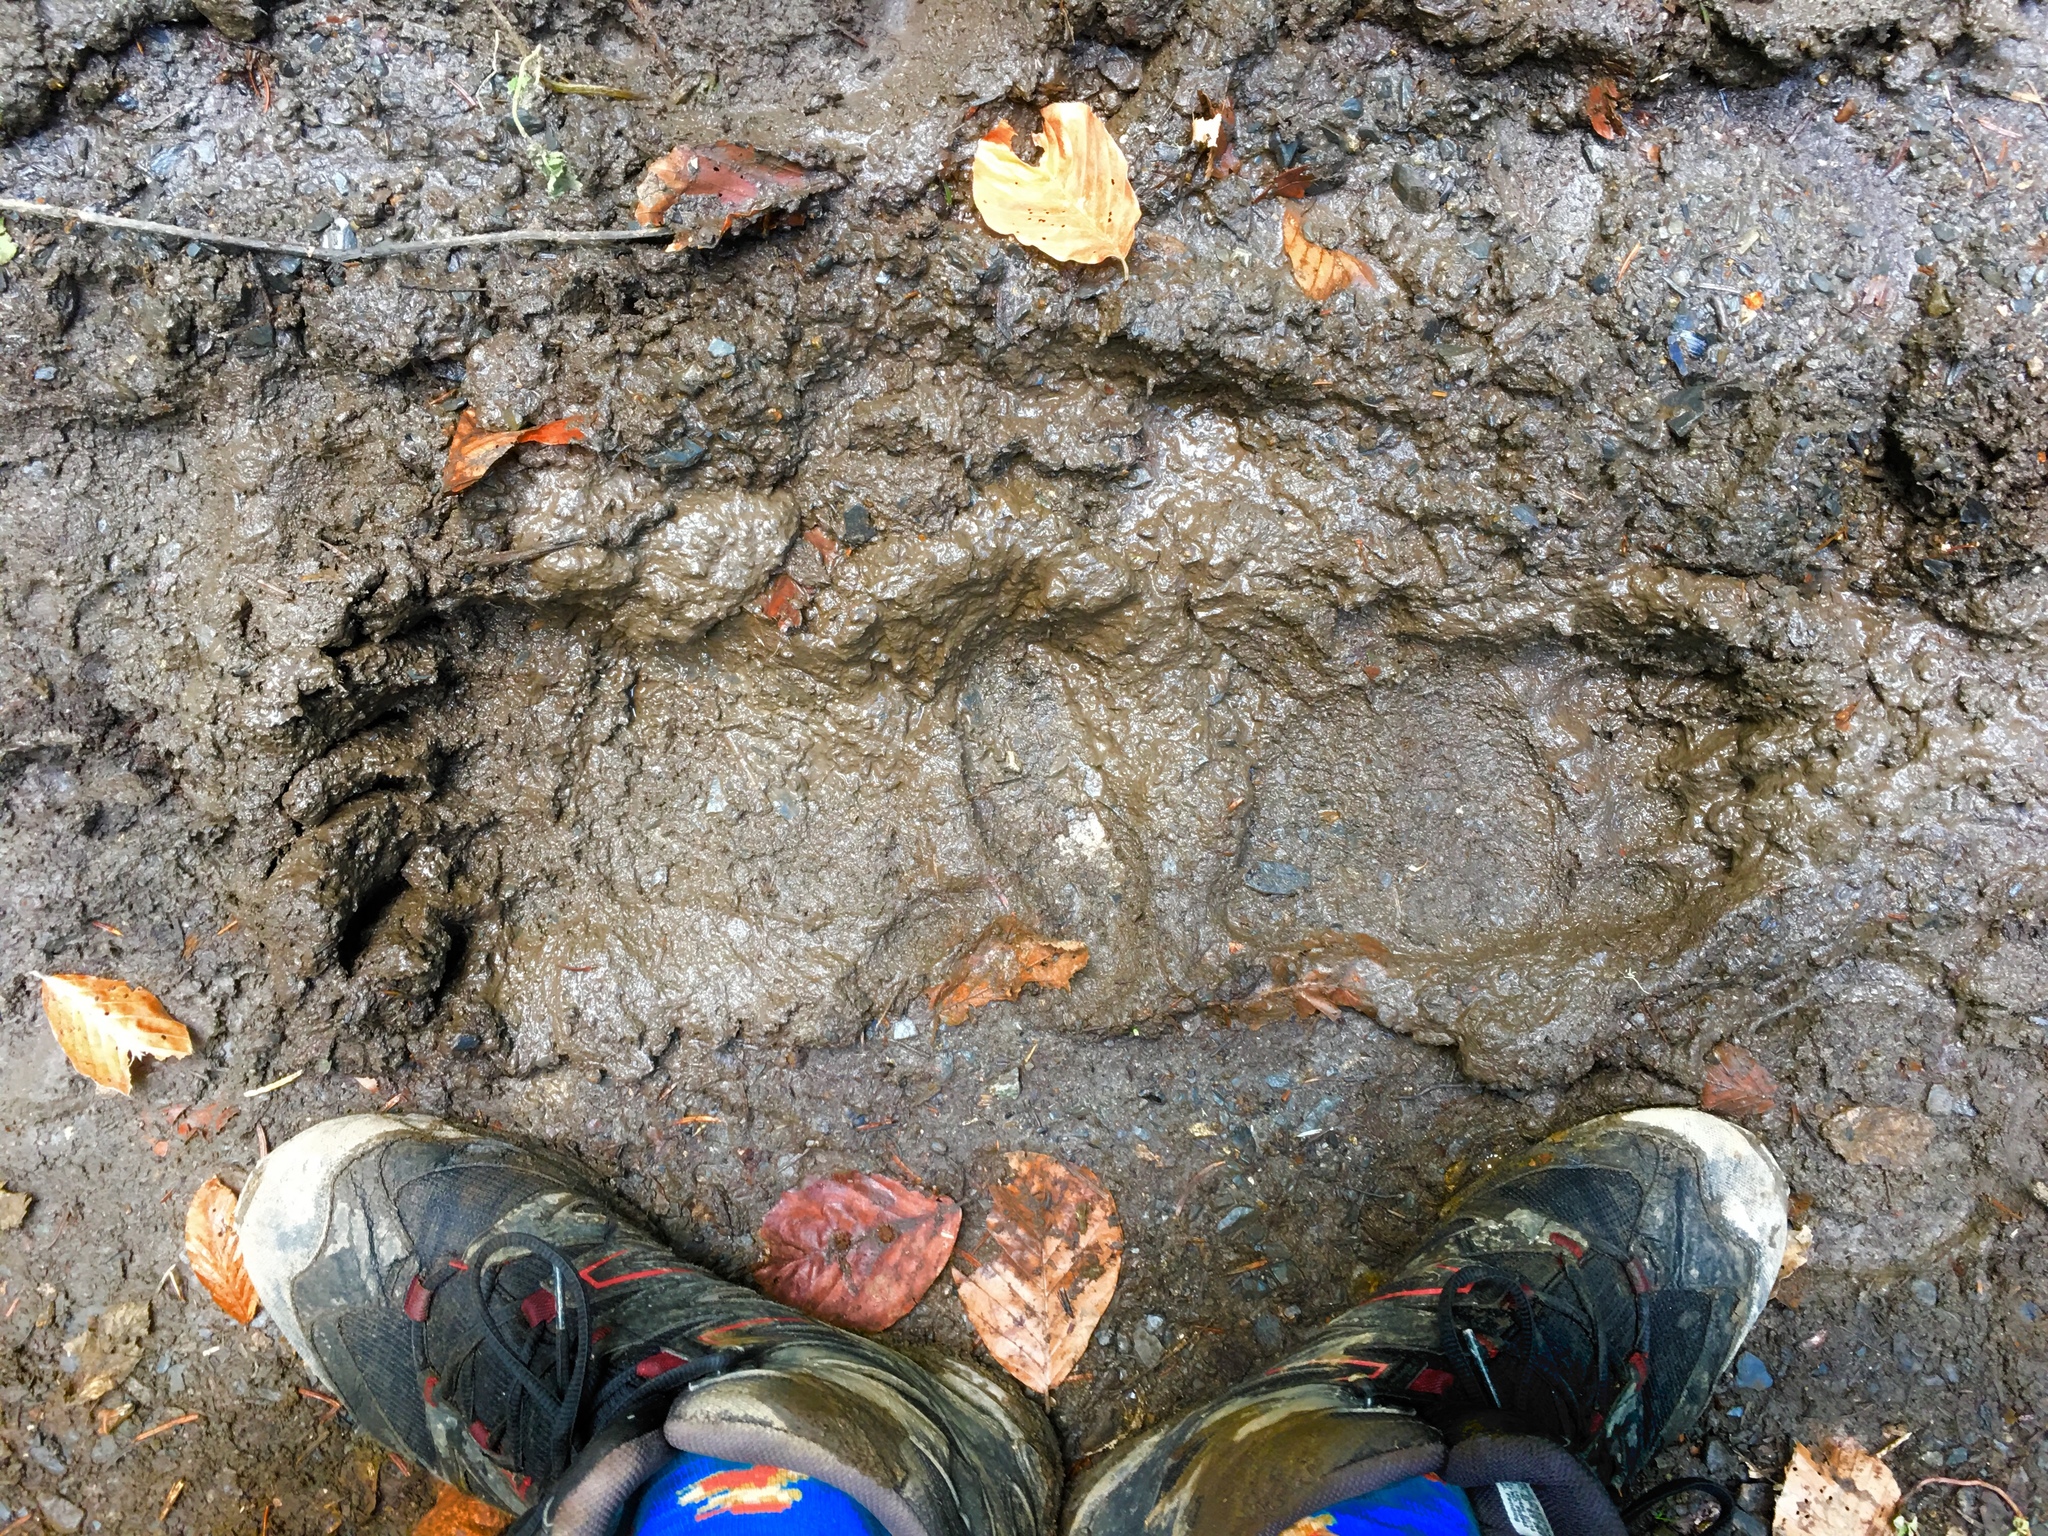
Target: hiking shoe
point(487, 1311)
point(1568, 1316)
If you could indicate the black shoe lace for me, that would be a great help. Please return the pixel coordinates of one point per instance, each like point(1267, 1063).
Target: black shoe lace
point(570, 1404)
point(1526, 1374)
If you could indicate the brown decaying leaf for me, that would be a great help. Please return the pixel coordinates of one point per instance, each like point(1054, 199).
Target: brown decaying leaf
point(109, 1349)
point(1216, 131)
point(1036, 1301)
point(455, 1513)
point(214, 1251)
point(472, 451)
point(13, 1208)
point(1318, 270)
point(856, 1249)
point(1885, 1138)
point(1737, 1084)
point(1845, 1491)
point(1847, 110)
point(1004, 961)
point(102, 1024)
point(1292, 183)
point(1075, 204)
point(1603, 109)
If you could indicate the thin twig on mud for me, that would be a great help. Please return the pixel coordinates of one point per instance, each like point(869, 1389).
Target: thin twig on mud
point(26, 209)
point(1966, 1482)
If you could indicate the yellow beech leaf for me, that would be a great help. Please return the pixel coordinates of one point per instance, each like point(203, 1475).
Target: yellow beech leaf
point(102, 1023)
point(1075, 204)
point(1318, 270)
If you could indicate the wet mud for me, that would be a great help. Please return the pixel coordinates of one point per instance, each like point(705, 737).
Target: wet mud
point(1445, 712)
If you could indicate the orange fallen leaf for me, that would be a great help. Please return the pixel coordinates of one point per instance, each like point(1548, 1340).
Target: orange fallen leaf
point(1738, 1084)
point(1076, 203)
point(1002, 964)
point(472, 451)
point(1845, 1491)
point(1754, 299)
point(455, 1513)
point(214, 1251)
point(784, 605)
point(1603, 109)
point(1036, 1302)
point(102, 1023)
point(1318, 270)
point(857, 1249)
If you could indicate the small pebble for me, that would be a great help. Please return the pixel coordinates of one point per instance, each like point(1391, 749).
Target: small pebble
point(1751, 1373)
point(720, 347)
point(1268, 1332)
point(1925, 1293)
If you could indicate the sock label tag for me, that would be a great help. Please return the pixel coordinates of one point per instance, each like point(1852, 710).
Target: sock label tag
point(1524, 1509)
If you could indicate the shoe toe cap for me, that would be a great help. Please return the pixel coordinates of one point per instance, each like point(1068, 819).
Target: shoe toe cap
point(286, 1208)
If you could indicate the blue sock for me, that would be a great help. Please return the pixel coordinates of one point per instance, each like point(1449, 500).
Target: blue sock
point(735, 1499)
point(1418, 1506)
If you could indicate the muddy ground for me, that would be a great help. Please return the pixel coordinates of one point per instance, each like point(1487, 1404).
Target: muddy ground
point(1622, 713)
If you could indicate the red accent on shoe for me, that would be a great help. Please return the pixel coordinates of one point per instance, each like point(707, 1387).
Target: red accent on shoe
point(479, 1433)
point(458, 1264)
point(418, 1300)
point(1433, 1381)
point(1434, 1290)
point(1575, 1249)
point(590, 1278)
point(522, 1485)
point(660, 1363)
point(538, 1307)
point(1639, 1277)
point(1641, 1365)
point(427, 1391)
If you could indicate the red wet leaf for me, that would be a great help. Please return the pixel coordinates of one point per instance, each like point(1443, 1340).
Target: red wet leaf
point(784, 605)
point(1738, 1084)
point(735, 174)
point(823, 542)
point(857, 1249)
point(1603, 109)
point(472, 451)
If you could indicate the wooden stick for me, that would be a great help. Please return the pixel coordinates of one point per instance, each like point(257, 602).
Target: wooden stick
point(22, 207)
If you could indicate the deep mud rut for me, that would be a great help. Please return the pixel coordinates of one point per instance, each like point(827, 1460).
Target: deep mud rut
point(1624, 714)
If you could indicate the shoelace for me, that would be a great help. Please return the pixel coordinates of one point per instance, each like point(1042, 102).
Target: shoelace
point(570, 1412)
point(1471, 1300)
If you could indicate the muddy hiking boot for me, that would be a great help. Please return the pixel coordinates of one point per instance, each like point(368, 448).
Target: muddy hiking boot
point(1568, 1317)
point(485, 1310)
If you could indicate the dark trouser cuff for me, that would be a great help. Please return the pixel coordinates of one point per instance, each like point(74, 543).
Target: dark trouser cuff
point(1575, 1502)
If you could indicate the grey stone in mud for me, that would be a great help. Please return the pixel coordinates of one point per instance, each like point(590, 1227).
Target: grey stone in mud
point(1415, 188)
point(1271, 877)
point(240, 21)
